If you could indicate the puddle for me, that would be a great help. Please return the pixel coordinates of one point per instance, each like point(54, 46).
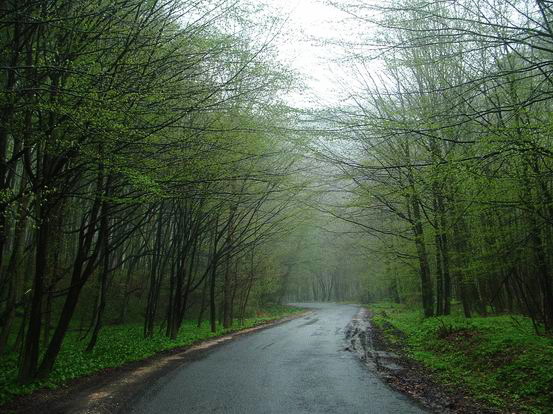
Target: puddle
point(359, 340)
point(408, 378)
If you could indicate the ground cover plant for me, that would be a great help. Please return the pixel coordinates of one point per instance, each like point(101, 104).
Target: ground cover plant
point(497, 359)
point(163, 159)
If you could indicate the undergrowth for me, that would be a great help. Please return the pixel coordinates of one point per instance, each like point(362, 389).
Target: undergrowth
point(497, 359)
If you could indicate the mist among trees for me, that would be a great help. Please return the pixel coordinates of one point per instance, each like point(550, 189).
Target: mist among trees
point(153, 169)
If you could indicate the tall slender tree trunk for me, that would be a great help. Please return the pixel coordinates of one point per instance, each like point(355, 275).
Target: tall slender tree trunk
point(227, 292)
point(203, 302)
point(424, 268)
point(127, 292)
point(29, 361)
point(247, 295)
point(13, 272)
point(439, 277)
point(83, 266)
point(212, 306)
point(47, 323)
point(151, 305)
point(446, 275)
point(104, 273)
point(212, 282)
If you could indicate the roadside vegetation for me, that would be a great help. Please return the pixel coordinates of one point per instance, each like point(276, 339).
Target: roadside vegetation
point(118, 345)
point(144, 177)
point(496, 359)
point(444, 159)
point(153, 171)
point(444, 154)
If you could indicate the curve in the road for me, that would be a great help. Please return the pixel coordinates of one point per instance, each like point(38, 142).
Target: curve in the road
point(296, 367)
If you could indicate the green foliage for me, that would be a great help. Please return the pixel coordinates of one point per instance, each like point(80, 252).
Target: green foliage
point(116, 346)
point(498, 359)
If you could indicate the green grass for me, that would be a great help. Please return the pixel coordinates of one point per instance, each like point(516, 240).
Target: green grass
point(497, 359)
point(116, 346)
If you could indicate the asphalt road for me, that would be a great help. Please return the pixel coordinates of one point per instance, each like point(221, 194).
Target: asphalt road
point(296, 367)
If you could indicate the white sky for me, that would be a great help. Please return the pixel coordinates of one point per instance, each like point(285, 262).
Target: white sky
point(310, 23)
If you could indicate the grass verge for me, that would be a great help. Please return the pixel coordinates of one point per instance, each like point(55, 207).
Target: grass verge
point(116, 346)
point(498, 360)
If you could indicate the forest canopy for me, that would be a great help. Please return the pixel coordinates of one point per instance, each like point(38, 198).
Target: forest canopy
point(141, 163)
point(155, 170)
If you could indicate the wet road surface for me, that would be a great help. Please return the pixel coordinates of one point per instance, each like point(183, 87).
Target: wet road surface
point(297, 367)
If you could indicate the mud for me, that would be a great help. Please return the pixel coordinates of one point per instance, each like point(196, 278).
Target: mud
point(405, 375)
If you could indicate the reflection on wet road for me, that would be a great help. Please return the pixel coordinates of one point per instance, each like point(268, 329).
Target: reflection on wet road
point(297, 367)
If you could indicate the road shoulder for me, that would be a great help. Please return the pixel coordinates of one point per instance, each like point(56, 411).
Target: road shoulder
point(111, 390)
point(403, 374)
